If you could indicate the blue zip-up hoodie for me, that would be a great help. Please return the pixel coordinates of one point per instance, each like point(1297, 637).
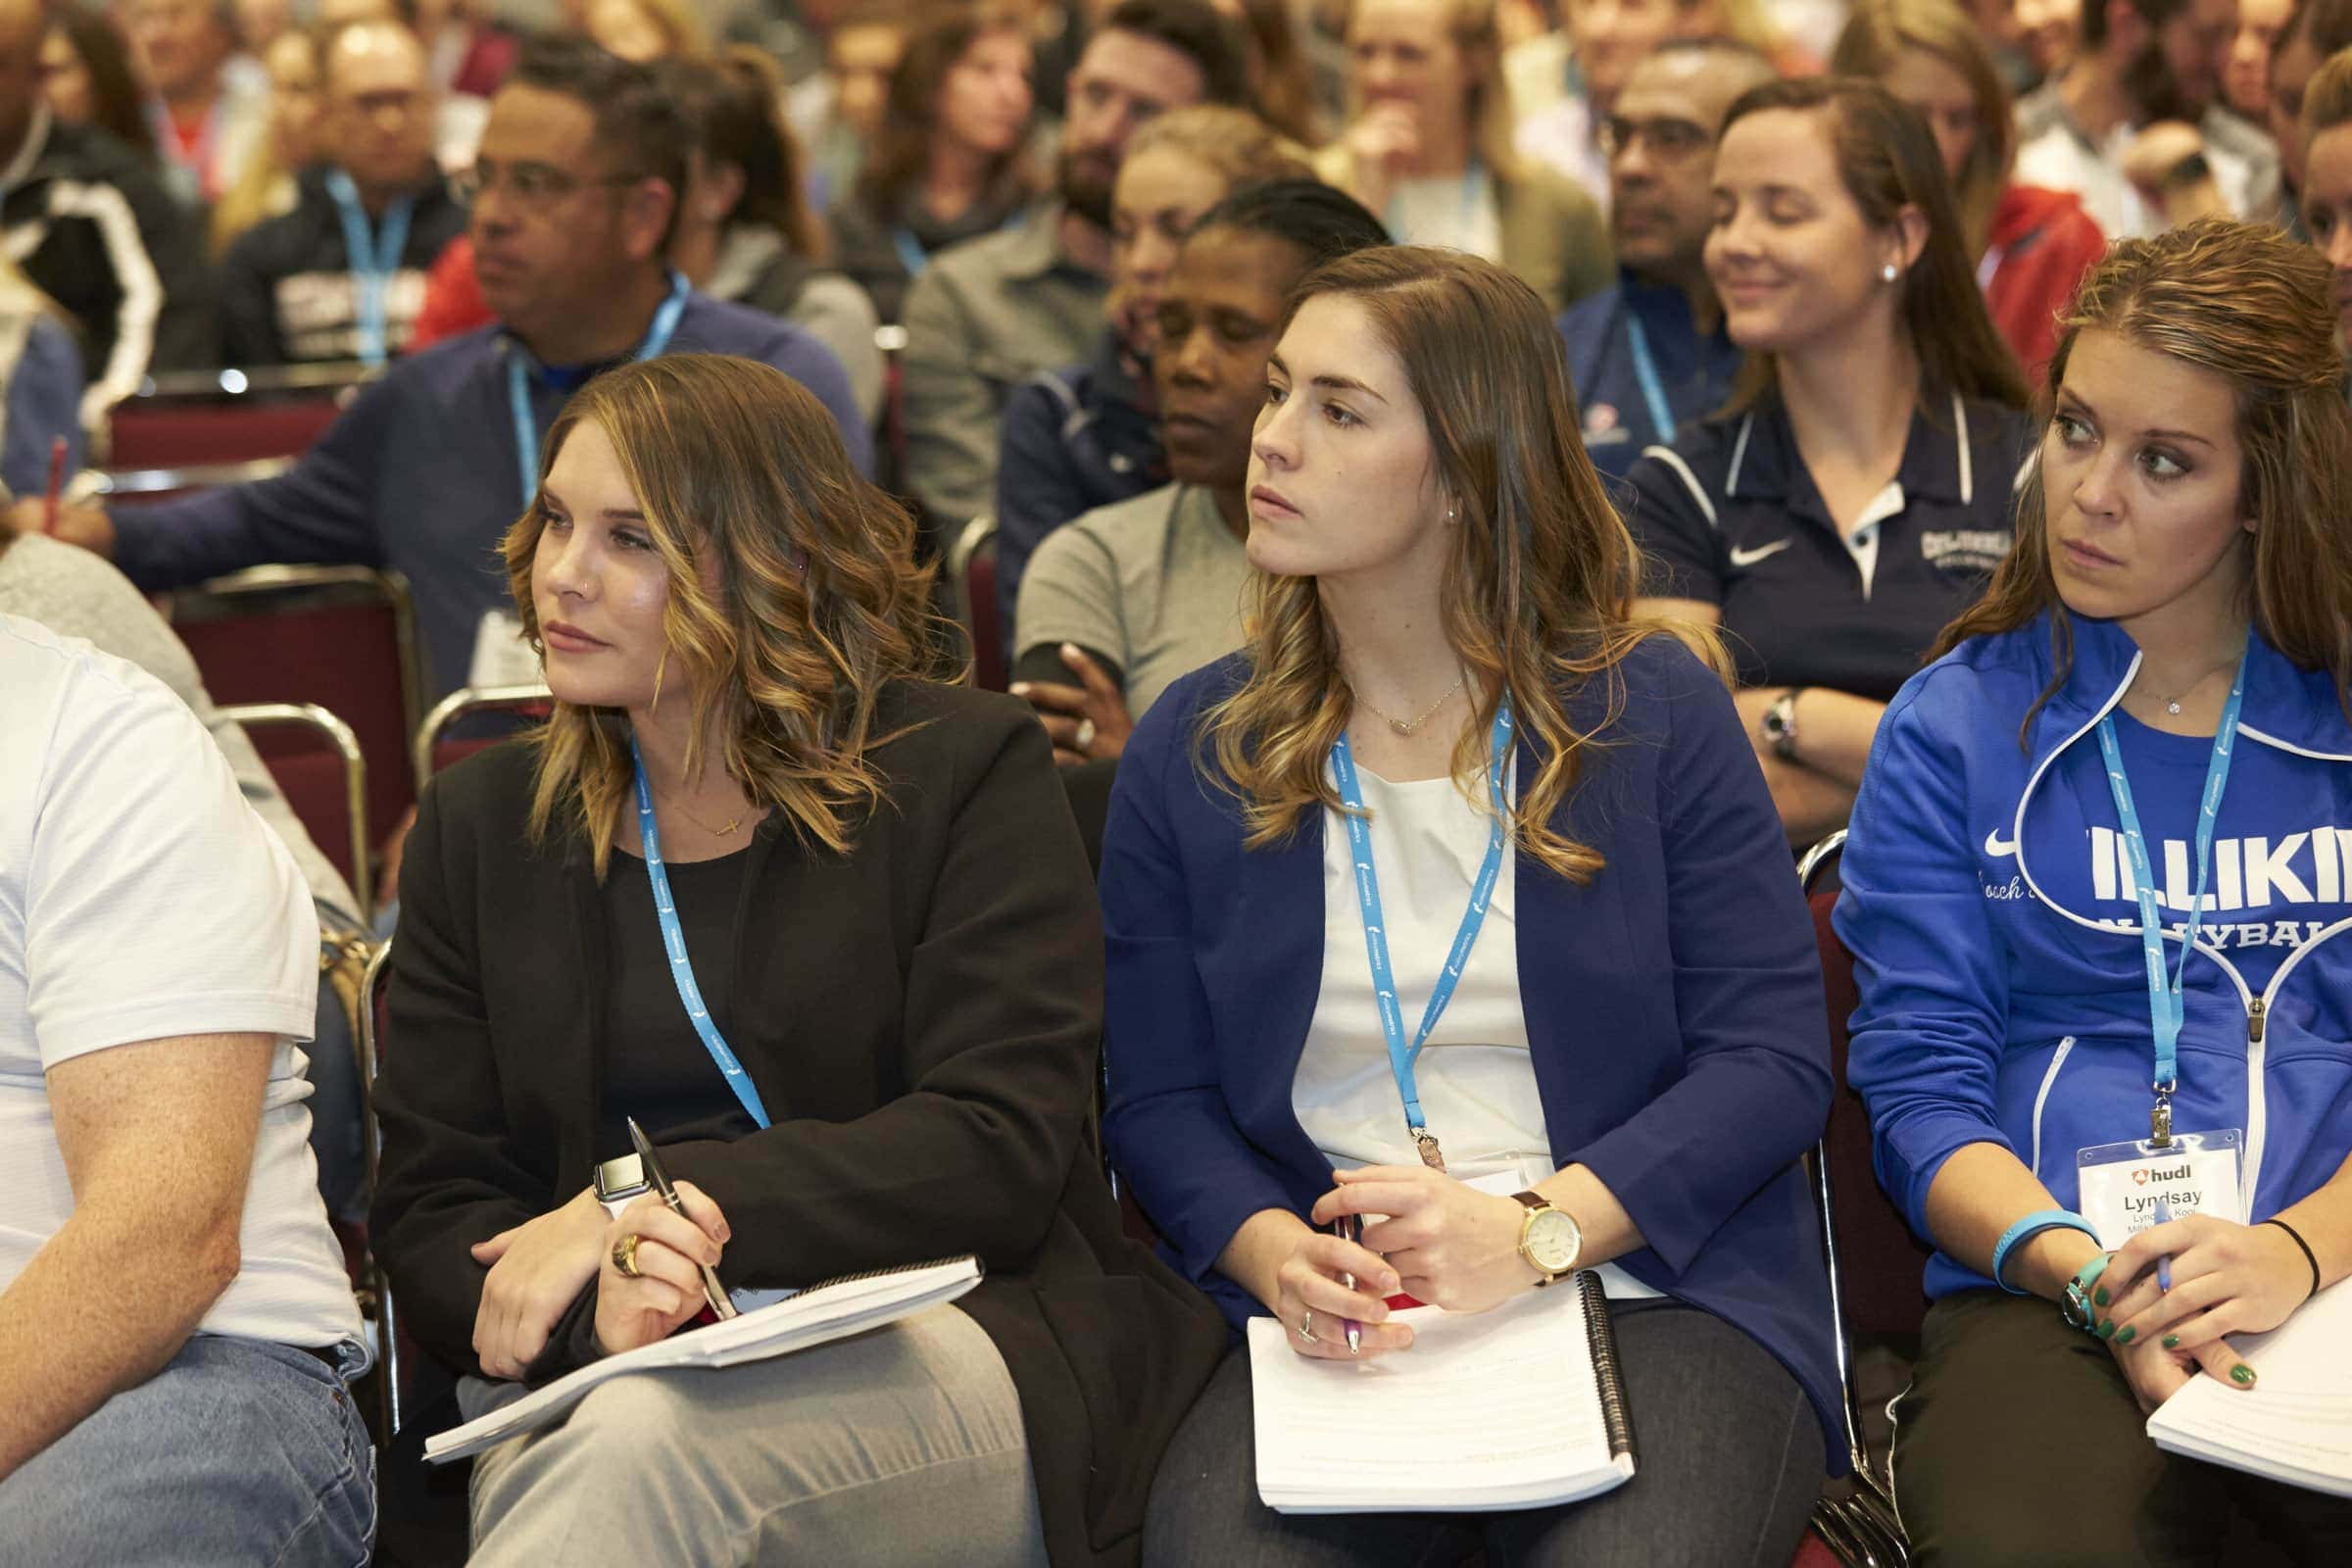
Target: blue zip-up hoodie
point(1993, 1012)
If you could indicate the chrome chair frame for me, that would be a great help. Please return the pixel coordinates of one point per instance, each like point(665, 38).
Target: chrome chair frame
point(311, 716)
point(463, 703)
point(389, 1414)
point(1863, 1529)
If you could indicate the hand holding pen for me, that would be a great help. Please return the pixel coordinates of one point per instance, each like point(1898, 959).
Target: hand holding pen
point(656, 1273)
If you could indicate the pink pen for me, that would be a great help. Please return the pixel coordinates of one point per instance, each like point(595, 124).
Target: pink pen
point(1350, 1228)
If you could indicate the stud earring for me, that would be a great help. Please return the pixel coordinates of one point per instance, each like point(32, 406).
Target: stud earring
point(1889, 272)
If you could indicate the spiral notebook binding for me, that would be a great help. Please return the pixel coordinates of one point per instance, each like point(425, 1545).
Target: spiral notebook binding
point(895, 1269)
point(1601, 1336)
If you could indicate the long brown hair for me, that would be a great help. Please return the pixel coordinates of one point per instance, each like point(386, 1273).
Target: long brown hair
point(902, 149)
point(2243, 302)
point(819, 605)
point(1538, 595)
point(1887, 162)
point(1879, 31)
point(736, 99)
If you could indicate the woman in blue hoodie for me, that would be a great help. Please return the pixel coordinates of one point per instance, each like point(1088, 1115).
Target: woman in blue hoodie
point(2067, 1105)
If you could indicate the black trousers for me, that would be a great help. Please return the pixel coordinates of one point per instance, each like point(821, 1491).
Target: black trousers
point(1729, 1461)
point(2018, 1443)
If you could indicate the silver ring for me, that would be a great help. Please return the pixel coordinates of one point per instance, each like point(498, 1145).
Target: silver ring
point(1306, 1326)
point(1086, 735)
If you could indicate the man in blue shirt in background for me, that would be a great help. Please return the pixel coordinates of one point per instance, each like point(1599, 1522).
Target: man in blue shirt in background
point(1650, 355)
point(576, 190)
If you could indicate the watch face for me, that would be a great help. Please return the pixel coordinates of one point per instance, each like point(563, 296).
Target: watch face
point(1552, 1241)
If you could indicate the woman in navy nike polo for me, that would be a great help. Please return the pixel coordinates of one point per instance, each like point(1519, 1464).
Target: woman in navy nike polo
point(2099, 892)
point(1854, 493)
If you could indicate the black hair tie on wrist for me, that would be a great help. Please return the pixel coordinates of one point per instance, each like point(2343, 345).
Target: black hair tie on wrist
point(2308, 1257)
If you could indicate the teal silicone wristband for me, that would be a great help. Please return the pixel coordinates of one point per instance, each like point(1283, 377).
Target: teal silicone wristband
point(2075, 1306)
point(2032, 1225)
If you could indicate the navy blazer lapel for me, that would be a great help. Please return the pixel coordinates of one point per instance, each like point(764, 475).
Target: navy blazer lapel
point(1279, 895)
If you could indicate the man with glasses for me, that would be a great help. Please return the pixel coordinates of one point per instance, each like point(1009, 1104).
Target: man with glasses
point(341, 276)
point(1650, 355)
point(574, 199)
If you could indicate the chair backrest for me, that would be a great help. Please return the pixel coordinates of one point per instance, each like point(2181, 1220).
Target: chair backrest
point(972, 572)
point(341, 637)
point(437, 745)
point(1884, 1260)
point(319, 766)
point(232, 415)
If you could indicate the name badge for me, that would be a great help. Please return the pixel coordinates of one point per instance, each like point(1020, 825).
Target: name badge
point(500, 658)
point(2196, 1173)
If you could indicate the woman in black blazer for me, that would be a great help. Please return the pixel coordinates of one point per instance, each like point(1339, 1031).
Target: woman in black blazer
point(884, 906)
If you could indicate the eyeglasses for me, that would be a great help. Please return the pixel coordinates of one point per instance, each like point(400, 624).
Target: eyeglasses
point(1668, 138)
point(533, 187)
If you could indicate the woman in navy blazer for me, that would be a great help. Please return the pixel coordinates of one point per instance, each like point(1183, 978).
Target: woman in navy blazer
point(1631, 1031)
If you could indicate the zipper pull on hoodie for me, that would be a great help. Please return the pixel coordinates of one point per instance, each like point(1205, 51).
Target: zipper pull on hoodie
point(2254, 1012)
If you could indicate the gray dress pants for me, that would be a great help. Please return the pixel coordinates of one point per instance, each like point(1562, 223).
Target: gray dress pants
point(903, 1445)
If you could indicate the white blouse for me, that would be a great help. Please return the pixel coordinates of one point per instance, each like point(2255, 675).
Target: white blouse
point(1475, 1078)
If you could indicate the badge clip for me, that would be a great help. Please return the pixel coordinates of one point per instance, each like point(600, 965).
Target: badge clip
point(1426, 1142)
point(2160, 1121)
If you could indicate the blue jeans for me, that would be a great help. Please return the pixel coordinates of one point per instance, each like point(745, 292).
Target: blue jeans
point(239, 1453)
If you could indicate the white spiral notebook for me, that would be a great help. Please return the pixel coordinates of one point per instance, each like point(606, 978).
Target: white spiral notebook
point(833, 1310)
point(1519, 1407)
point(2295, 1424)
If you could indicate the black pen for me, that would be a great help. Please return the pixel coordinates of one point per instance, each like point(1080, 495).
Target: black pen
point(713, 1293)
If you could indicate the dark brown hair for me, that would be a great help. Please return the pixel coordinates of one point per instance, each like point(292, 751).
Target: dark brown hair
point(819, 605)
point(734, 99)
point(114, 96)
point(1887, 162)
point(2243, 302)
point(902, 150)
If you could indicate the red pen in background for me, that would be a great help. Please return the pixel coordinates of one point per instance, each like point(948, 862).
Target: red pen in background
point(56, 485)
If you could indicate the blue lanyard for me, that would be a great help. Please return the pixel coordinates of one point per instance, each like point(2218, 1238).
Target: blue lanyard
point(1645, 371)
point(519, 384)
point(1375, 942)
point(374, 259)
point(2165, 1006)
point(674, 940)
point(911, 255)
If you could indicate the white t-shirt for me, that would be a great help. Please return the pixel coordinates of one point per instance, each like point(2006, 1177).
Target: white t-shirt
point(1475, 1078)
point(1455, 211)
point(141, 898)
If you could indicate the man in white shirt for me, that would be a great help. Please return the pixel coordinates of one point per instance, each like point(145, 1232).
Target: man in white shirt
point(176, 1331)
point(2134, 126)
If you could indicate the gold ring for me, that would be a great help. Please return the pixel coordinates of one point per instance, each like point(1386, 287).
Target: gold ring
point(625, 1256)
point(1306, 1326)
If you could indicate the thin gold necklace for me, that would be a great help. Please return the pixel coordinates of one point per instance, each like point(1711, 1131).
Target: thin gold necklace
point(1405, 726)
point(720, 832)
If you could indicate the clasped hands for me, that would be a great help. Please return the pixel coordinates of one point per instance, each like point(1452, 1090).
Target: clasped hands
point(2227, 1279)
point(538, 1268)
point(1437, 1239)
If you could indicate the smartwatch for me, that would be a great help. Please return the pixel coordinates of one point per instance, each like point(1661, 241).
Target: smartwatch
point(1780, 724)
point(1549, 1239)
point(619, 1181)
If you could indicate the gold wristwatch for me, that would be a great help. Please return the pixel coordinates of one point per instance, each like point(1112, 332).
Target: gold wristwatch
point(1550, 1238)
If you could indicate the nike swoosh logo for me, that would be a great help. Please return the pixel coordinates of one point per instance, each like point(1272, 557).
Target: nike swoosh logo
point(1749, 558)
point(1997, 847)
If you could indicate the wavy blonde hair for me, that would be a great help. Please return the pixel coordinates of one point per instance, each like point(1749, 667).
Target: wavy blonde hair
point(1538, 595)
point(817, 601)
point(2243, 302)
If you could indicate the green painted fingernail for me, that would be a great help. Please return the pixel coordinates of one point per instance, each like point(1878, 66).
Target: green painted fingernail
point(2106, 1328)
point(2125, 1337)
point(2242, 1375)
point(2172, 1342)
point(2100, 1298)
